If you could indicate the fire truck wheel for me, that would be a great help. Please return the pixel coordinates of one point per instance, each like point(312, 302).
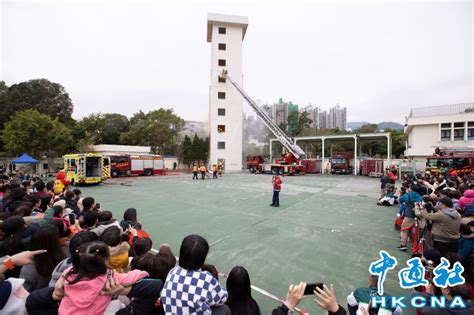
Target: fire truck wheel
point(148, 173)
point(114, 174)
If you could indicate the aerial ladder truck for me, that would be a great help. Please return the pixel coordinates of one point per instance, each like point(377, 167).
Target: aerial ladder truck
point(289, 163)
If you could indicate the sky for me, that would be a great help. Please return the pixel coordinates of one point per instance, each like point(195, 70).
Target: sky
point(378, 59)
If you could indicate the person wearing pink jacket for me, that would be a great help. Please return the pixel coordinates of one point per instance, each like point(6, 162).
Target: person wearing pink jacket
point(81, 285)
point(466, 199)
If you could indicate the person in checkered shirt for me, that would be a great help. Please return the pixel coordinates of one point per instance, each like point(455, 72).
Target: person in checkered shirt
point(188, 289)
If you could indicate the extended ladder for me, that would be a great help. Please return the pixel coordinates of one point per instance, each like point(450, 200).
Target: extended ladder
point(285, 141)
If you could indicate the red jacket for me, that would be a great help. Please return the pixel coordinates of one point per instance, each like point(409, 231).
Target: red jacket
point(391, 175)
point(276, 183)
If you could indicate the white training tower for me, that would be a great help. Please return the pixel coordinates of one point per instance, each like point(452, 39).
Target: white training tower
point(226, 34)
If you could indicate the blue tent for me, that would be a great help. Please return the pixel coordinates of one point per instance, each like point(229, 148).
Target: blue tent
point(24, 159)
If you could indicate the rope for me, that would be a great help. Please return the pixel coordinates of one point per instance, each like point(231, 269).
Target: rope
point(256, 289)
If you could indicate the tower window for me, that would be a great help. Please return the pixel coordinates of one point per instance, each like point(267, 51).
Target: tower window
point(220, 128)
point(222, 46)
point(221, 112)
point(221, 80)
point(222, 30)
point(221, 145)
point(222, 62)
point(221, 95)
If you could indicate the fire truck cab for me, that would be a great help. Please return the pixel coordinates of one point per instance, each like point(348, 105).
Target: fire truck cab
point(87, 168)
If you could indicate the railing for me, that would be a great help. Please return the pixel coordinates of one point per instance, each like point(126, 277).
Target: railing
point(442, 110)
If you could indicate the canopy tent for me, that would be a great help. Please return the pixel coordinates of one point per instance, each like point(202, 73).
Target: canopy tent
point(24, 159)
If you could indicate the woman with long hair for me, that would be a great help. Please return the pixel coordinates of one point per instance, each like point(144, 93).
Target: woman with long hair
point(129, 219)
point(38, 274)
point(240, 299)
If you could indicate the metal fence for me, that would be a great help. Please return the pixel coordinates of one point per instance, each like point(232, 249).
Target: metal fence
point(442, 110)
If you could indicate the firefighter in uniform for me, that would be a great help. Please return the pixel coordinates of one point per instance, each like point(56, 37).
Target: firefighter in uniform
point(203, 171)
point(214, 171)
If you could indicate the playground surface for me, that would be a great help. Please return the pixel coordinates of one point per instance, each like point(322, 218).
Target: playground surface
point(328, 228)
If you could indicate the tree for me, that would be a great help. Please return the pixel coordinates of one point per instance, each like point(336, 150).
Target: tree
point(84, 144)
point(187, 155)
point(42, 95)
point(371, 148)
point(37, 134)
point(4, 108)
point(297, 122)
point(368, 128)
point(158, 129)
point(102, 128)
point(196, 148)
point(399, 139)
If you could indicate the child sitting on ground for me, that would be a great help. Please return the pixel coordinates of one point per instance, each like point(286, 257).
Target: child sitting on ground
point(389, 199)
point(118, 259)
point(140, 248)
point(80, 286)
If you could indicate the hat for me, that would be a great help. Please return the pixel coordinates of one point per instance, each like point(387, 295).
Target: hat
point(61, 203)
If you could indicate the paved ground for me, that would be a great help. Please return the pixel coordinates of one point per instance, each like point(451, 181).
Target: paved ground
point(328, 228)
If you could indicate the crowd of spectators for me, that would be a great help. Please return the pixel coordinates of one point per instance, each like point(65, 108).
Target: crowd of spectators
point(436, 211)
point(64, 254)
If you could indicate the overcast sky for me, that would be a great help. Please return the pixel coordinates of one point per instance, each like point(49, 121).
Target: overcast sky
point(379, 59)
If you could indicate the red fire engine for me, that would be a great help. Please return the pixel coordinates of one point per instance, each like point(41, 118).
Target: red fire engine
point(285, 165)
point(342, 163)
point(461, 161)
point(127, 165)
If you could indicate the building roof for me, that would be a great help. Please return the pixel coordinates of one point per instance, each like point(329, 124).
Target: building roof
point(442, 110)
point(132, 149)
point(225, 19)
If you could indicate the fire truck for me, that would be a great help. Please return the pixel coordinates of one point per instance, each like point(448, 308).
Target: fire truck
point(128, 165)
point(342, 163)
point(285, 165)
point(86, 168)
point(289, 162)
point(448, 160)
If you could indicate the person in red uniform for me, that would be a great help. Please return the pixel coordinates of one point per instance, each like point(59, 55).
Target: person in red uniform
point(276, 181)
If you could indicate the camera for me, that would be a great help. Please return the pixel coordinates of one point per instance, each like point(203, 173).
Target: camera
point(428, 204)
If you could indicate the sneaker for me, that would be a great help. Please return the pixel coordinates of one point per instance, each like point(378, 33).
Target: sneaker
point(402, 247)
point(276, 205)
point(272, 205)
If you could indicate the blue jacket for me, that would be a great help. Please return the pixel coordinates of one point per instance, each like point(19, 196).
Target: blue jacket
point(408, 200)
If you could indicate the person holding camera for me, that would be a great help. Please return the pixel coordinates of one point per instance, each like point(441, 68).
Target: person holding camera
point(445, 225)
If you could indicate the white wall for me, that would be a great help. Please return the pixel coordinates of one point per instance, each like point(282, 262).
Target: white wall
point(422, 140)
point(424, 134)
point(233, 100)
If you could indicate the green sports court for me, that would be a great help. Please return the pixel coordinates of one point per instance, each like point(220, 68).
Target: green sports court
point(328, 228)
